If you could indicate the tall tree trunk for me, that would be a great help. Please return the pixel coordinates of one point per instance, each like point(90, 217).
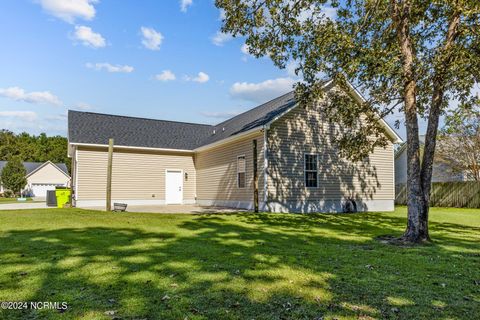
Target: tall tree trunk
point(415, 231)
point(419, 177)
point(445, 59)
point(429, 153)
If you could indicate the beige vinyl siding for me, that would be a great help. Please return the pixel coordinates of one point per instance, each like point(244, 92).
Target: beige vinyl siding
point(217, 170)
point(441, 172)
point(304, 131)
point(136, 175)
point(48, 174)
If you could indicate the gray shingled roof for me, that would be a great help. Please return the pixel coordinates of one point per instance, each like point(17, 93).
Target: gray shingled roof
point(252, 118)
point(32, 166)
point(96, 128)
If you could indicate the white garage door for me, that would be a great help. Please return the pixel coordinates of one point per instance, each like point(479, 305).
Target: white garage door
point(40, 190)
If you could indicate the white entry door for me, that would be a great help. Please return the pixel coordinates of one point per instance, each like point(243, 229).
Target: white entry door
point(174, 187)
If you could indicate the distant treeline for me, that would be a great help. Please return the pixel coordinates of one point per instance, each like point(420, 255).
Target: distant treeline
point(33, 148)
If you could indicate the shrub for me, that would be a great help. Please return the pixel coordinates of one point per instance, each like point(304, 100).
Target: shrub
point(8, 194)
point(13, 175)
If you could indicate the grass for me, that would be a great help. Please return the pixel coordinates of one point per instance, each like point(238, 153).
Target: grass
point(238, 266)
point(12, 200)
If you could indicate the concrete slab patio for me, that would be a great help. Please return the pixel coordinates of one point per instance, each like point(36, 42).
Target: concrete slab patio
point(189, 209)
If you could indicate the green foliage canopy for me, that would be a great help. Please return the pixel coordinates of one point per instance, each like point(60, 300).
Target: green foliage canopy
point(362, 45)
point(34, 148)
point(459, 141)
point(13, 175)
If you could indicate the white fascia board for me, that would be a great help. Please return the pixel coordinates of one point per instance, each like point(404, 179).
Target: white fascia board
point(229, 139)
point(45, 164)
point(326, 84)
point(395, 137)
point(129, 147)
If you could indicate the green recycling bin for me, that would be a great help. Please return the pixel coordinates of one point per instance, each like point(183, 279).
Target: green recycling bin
point(63, 196)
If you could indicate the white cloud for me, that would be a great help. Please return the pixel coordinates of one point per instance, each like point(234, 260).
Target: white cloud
point(82, 106)
point(326, 10)
point(165, 75)
point(202, 77)
point(19, 94)
point(29, 116)
point(69, 10)
point(330, 12)
point(290, 67)
point(109, 67)
point(244, 49)
point(58, 117)
point(219, 115)
point(220, 38)
point(222, 15)
point(262, 91)
point(184, 4)
point(152, 39)
point(88, 37)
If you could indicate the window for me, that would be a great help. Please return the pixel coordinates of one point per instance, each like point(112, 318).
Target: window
point(311, 171)
point(241, 168)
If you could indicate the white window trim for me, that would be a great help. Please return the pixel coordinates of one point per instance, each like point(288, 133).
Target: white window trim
point(305, 170)
point(238, 181)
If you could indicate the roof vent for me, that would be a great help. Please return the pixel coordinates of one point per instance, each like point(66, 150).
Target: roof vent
point(223, 129)
point(213, 131)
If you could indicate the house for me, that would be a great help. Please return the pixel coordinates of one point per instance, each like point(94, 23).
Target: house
point(280, 153)
point(441, 171)
point(41, 177)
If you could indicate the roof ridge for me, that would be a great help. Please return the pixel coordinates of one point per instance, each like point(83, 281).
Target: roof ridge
point(141, 118)
point(185, 122)
point(254, 108)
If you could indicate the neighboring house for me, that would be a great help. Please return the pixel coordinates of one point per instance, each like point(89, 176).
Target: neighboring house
point(42, 176)
point(441, 172)
point(165, 162)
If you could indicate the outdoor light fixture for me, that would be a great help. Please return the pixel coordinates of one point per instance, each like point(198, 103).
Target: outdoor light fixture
point(186, 176)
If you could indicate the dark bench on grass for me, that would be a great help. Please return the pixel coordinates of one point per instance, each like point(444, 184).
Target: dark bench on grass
point(119, 207)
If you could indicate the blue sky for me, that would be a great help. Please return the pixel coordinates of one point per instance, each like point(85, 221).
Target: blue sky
point(150, 58)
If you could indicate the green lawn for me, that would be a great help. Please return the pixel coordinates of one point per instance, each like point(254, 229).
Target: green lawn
point(238, 266)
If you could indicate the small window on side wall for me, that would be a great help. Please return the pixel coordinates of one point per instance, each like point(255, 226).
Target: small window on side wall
point(311, 171)
point(241, 169)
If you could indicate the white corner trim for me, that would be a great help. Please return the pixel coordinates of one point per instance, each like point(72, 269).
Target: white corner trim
point(265, 166)
point(75, 173)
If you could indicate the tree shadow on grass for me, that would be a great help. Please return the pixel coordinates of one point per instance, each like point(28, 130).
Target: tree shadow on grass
point(262, 266)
